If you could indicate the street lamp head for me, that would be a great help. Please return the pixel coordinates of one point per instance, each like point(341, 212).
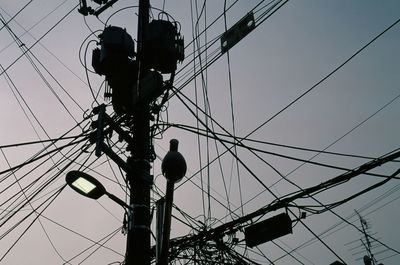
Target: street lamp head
point(85, 184)
point(173, 165)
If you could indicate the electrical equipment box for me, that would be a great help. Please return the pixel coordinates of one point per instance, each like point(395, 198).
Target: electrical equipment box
point(163, 46)
point(268, 230)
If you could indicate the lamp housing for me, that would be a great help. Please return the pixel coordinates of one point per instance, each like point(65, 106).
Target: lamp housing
point(85, 184)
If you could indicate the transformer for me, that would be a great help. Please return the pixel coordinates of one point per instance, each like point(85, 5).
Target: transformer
point(115, 60)
point(117, 49)
point(163, 46)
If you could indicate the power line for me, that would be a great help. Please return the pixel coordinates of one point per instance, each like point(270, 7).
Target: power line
point(83, 236)
point(16, 14)
point(27, 31)
point(38, 40)
point(23, 144)
point(216, 54)
point(201, 132)
point(39, 155)
point(28, 55)
point(34, 182)
point(325, 77)
point(33, 209)
point(255, 176)
point(239, 141)
point(232, 112)
point(34, 220)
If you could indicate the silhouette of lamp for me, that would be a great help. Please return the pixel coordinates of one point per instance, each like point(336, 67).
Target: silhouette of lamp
point(90, 187)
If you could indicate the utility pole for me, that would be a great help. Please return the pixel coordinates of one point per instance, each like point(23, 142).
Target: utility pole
point(140, 181)
point(135, 82)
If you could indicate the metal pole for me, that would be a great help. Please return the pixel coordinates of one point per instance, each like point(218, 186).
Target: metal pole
point(140, 181)
point(169, 198)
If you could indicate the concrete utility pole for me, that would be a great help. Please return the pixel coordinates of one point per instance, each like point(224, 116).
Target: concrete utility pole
point(136, 81)
point(140, 181)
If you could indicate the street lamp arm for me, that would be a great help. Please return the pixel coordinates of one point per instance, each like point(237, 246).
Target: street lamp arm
point(119, 201)
point(114, 157)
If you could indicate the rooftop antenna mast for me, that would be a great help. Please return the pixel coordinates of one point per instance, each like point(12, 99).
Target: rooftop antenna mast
point(369, 259)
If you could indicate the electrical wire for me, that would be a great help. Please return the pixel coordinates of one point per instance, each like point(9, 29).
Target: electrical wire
point(216, 54)
point(38, 40)
point(191, 129)
point(239, 141)
point(16, 14)
point(39, 156)
point(24, 144)
point(233, 113)
point(29, 200)
point(28, 55)
point(204, 87)
point(26, 31)
point(197, 102)
point(39, 189)
point(259, 180)
point(326, 77)
point(31, 206)
point(98, 244)
point(350, 57)
point(30, 225)
point(12, 212)
point(344, 135)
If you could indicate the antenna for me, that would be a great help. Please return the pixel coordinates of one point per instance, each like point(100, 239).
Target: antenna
point(367, 245)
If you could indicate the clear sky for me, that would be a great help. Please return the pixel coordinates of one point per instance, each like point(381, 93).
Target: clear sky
point(307, 77)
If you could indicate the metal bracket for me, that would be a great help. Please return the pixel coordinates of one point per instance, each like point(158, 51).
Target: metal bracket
point(237, 32)
point(131, 218)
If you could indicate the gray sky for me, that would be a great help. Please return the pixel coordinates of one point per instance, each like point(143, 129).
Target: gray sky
point(354, 112)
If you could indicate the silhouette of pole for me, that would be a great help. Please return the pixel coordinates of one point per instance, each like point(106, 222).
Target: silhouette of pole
point(140, 181)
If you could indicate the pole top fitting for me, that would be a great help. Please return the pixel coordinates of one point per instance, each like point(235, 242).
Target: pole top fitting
point(173, 145)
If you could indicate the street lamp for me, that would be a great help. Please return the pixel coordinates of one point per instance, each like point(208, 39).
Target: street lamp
point(90, 187)
point(174, 168)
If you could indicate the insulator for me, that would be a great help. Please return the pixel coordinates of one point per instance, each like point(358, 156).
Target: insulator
point(107, 91)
